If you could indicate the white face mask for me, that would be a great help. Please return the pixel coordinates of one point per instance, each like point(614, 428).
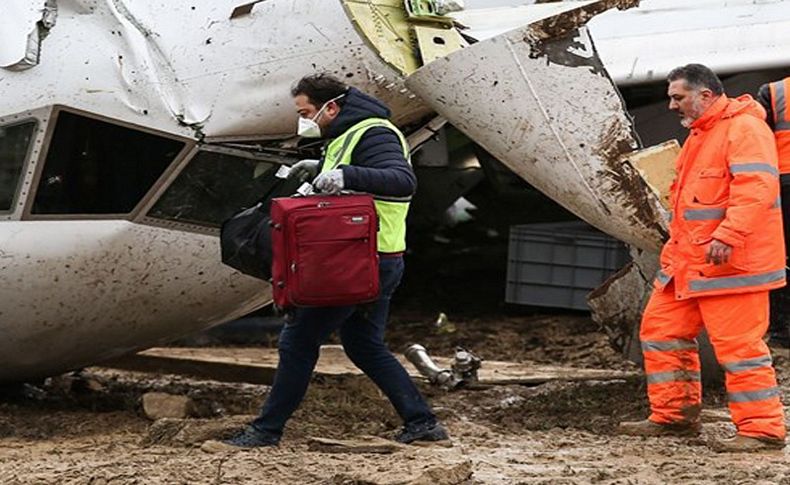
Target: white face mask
point(308, 127)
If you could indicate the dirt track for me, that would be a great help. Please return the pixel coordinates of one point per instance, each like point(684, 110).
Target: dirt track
point(93, 432)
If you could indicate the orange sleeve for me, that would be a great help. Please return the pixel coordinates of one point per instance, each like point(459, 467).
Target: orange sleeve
point(754, 187)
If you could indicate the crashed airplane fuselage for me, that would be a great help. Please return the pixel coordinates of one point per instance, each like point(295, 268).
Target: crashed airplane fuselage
point(128, 134)
point(116, 123)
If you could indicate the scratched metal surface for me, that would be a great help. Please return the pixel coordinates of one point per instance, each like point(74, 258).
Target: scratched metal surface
point(186, 67)
point(551, 113)
point(77, 292)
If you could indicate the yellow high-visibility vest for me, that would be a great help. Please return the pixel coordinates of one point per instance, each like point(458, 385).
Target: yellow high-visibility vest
point(391, 211)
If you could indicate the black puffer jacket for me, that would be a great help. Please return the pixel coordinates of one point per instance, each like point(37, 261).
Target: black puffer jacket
point(377, 163)
point(764, 98)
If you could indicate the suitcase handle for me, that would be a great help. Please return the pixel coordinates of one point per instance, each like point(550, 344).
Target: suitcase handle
point(307, 190)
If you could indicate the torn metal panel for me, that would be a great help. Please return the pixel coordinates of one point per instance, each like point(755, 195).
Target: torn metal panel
point(244, 9)
point(436, 42)
point(571, 19)
point(384, 24)
point(486, 23)
point(617, 304)
point(426, 132)
point(551, 113)
point(728, 35)
point(18, 57)
point(193, 70)
point(149, 53)
point(18, 20)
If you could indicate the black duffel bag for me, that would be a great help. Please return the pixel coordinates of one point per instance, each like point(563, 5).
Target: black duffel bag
point(246, 242)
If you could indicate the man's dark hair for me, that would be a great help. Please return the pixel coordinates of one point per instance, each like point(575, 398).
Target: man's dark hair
point(320, 88)
point(697, 76)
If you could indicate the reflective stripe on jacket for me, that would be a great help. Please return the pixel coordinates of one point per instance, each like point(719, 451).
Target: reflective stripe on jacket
point(727, 188)
point(392, 211)
point(780, 102)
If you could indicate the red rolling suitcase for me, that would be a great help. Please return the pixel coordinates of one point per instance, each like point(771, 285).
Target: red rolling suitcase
point(324, 250)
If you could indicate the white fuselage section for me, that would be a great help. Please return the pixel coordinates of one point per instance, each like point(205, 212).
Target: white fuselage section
point(77, 292)
point(78, 289)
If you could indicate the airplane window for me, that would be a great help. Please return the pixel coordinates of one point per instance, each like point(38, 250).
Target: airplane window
point(14, 145)
point(96, 167)
point(216, 185)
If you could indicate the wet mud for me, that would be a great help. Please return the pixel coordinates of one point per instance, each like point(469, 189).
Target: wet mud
point(90, 428)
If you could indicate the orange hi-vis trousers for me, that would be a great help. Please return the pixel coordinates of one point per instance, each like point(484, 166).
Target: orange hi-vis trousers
point(736, 325)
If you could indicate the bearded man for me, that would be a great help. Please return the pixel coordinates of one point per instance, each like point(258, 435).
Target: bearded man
point(724, 254)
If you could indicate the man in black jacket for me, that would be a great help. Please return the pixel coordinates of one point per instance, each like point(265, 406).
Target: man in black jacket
point(376, 163)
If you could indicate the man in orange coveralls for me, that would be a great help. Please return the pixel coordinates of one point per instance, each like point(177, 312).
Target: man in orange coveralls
point(724, 254)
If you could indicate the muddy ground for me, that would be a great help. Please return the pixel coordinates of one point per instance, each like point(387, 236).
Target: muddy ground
point(91, 429)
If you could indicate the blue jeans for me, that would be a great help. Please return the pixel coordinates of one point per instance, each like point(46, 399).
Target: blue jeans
point(362, 335)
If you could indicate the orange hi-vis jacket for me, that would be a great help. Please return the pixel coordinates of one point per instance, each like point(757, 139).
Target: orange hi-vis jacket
point(726, 188)
point(780, 104)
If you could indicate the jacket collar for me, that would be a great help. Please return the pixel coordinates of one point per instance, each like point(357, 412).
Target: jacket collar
point(711, 115)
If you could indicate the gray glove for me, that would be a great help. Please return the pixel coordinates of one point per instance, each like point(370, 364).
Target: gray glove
point(330, 182)
point(304, 170)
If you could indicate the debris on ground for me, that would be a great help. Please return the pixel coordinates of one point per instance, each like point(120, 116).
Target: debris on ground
point(462, 372)
point(158, 405)
point(362, 444)
point(552, 432)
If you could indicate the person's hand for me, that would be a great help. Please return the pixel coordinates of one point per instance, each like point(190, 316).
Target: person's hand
point(304, 170)
point(330, 182)
point(718, 252)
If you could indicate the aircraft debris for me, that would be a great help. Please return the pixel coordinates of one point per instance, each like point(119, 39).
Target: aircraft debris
point(257, 366)
point(443, 324)
point(158, 405)
point(463, 371)
point(243, 9)
point(443, 7)
point(32, 51)
point(553, 115)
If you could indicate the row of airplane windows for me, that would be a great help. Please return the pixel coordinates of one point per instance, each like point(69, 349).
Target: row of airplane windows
point(98, 168)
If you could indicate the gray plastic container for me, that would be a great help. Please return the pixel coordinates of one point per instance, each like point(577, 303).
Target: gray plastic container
point(558, 264)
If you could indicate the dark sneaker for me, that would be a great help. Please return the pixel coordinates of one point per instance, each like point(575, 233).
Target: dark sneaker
point(422, 432)
point(649, 428)
point(252, 438)
point(745, 444)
